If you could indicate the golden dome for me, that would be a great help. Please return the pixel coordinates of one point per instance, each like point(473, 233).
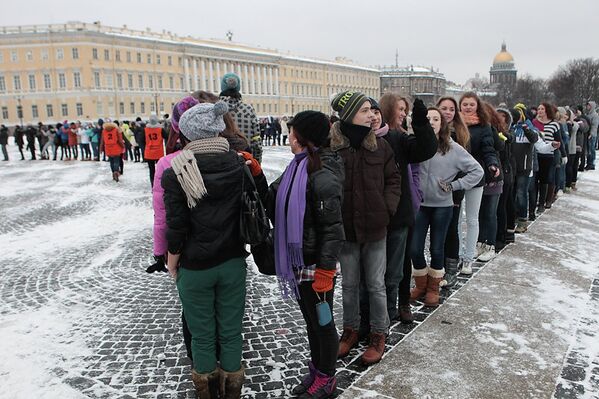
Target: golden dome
point(503, 56)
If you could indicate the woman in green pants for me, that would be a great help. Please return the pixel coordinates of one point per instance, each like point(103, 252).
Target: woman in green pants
point(202, 191)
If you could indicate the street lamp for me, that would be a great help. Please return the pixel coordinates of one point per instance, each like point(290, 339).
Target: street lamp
point(19, 110)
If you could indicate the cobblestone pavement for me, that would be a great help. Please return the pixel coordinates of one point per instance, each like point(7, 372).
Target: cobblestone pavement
point(78, 245)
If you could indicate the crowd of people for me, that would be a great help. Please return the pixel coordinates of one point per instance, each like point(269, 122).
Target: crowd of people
point(363, 191)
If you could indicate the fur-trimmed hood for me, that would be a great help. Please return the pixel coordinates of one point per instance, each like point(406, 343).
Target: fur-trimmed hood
point(109, 126)
point(339, 141)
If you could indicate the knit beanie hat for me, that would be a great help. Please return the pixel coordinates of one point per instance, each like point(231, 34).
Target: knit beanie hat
point(179, 109)
point(347, 104)
point(313, 126)
point(203, 121)
point(230, 82)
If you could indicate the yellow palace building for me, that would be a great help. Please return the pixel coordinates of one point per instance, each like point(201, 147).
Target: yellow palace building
point(86, 71)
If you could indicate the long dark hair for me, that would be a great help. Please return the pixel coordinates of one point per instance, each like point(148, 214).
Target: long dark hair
point(444, 133)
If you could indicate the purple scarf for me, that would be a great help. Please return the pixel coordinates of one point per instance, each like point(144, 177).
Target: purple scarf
point(289, 224)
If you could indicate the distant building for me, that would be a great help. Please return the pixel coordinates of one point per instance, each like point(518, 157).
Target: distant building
point(84, 71)
point(413, 81)
point(503, 71)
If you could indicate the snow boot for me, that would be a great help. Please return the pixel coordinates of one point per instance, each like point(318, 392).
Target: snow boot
point(231, 383)
point(322, 387)
point(206, 385)
point(421, 280)
point(349, 339)
point(451, 273)
point(432, 288)
point(307, 381)
point(375, 350)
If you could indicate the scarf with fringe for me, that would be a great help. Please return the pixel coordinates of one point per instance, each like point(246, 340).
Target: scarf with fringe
point(470, 120)
point(186, 167)
point(289, 224)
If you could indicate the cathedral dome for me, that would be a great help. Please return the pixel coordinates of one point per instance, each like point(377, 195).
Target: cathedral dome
point(503, 56)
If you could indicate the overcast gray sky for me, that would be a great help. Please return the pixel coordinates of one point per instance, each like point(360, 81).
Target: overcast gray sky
point(460, 37)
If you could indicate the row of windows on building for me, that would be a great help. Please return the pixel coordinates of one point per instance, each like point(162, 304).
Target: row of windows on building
point(150, 58)
point(151, 82)
point(35, 111)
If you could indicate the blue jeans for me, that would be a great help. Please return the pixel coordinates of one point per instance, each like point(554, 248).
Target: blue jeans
point(371, 256)
point(115, 163)
point(591, 151)
point(522, 184)
point(95, 150)
point(396, 249)
point(438, 219)
point(487, 219)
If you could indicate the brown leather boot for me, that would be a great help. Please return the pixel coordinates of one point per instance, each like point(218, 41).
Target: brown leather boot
point(349, 339)
point(421, 280)
point(375, 350)
point(206, 384)
point(231, 383)
point(432, 289)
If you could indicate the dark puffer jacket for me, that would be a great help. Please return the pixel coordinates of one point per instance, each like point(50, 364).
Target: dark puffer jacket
point(208, 234)
point(372, 186)
point(482, 148)
point(323, 223)
point(409, 148)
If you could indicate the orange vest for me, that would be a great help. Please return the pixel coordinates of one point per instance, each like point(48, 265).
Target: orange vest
point(154, 147)
point(111, 143)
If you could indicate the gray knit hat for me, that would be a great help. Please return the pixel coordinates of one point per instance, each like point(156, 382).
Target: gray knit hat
point(203, 121)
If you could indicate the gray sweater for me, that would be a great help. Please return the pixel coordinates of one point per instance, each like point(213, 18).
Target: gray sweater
point(445, 168)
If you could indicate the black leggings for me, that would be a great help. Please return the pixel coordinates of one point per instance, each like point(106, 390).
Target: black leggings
point(152, 167)
point(323, 340)
point(452, 240)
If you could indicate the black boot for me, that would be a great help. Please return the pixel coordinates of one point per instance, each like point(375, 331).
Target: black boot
point(451, 273)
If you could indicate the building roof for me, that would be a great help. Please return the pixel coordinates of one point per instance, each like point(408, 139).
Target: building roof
point(503, 56)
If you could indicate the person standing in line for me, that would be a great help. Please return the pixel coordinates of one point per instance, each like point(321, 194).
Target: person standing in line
point(72, 139)
point(113, 146)
point(64, 140)
point(202, 192)
point(30, 133)
point(304, 205)
point(50, 146)
point(591, 108)
point(153, 144)
point(243, 114)
point(140, 134)
point(437, 181)
point(96, 137)
point(483, 150)
point(284, 129)
point(371, 194)
point(4, 141)
point(18, 133)
point(129, 138)
point(84, 141)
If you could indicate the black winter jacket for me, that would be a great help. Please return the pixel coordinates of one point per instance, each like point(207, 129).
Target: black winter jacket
point(323, 222)
point(482, 148)
point(208, 234)
point(408, 148)
point(4, 135)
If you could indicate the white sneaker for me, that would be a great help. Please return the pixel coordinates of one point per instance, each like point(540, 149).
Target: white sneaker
point(466, 268)
point(488, 254)
point(479, 249)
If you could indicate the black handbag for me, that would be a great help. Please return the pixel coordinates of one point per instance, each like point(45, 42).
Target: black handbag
point(254, 225)
point(264, 256)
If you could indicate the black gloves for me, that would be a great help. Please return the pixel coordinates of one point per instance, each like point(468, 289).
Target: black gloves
point(158, 266)
point(419, 113)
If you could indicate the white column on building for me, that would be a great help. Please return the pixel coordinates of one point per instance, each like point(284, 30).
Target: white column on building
point(186, 69)
point(253, 81)
point(218, 72)
point(195, 74)
point(237, 67)
point(203, 80)
point(265, 80)
point(246, 79)
point(211, 75)
point(258, 79)
point(271, 82)
point(277, 88)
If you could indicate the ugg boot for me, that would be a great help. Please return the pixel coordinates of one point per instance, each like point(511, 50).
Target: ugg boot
point(451, 273)
point(421, 280)
point(376, 348)
point(231, 383)
point(206, 384)
point(432, 289)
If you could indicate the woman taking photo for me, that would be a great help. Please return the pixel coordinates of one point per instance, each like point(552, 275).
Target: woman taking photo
point(304, 205)
point(482, 149)
point(437, 181)
point(202, 192)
